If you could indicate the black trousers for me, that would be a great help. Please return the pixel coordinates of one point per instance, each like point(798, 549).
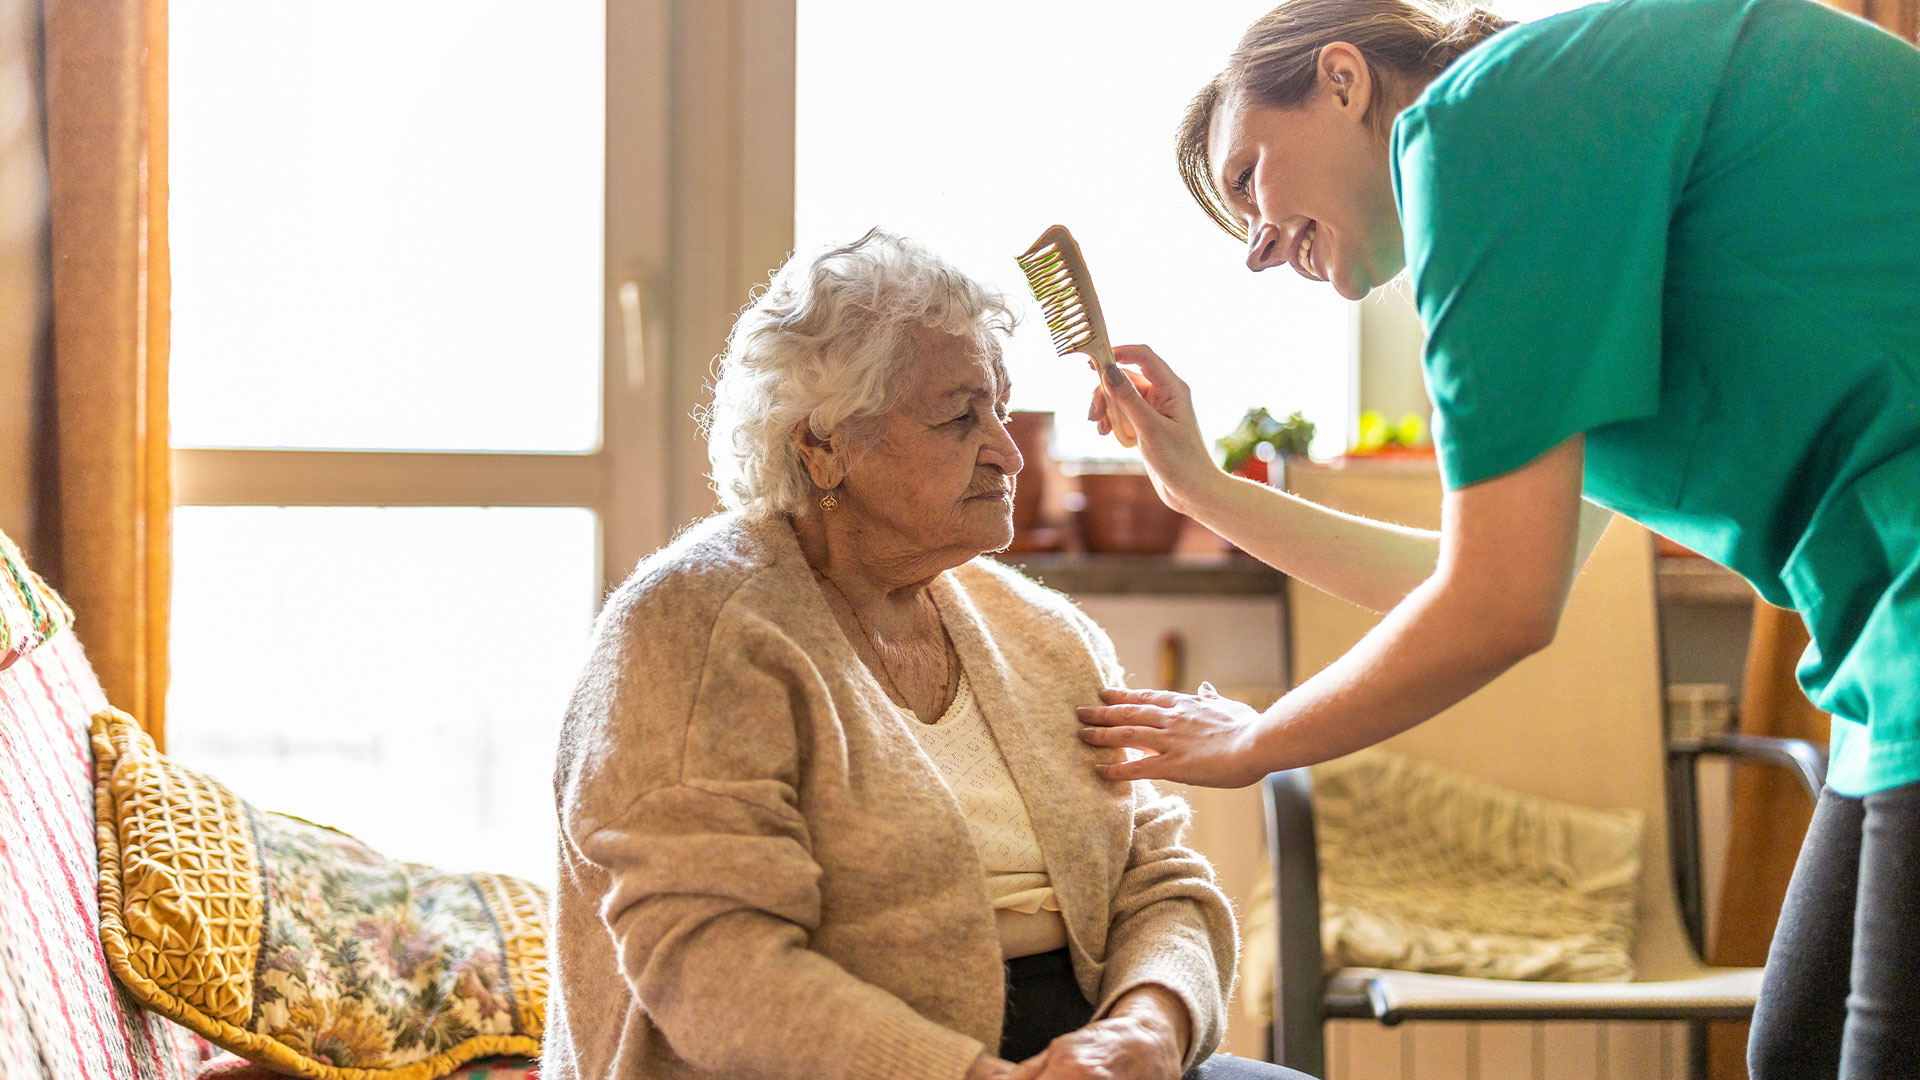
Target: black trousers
point(1044, 1001)
point(1841, 995)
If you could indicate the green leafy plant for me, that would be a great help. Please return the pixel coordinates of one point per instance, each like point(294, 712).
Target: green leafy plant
point(1290, 436)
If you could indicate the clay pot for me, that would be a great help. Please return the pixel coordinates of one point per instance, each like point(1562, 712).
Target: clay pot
point(1123, 516)
point(1033, 433)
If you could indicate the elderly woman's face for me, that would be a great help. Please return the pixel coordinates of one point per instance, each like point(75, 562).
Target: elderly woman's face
point(939, 476)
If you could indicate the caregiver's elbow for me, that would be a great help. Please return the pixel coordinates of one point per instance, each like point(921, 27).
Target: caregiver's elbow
point(1501, 623)
point(1521, 635)
point(1521, 622)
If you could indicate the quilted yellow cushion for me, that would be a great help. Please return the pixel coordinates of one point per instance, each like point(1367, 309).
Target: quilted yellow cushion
point(296, 946)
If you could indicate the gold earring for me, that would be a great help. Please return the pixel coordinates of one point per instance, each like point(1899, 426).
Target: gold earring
point(828, 502)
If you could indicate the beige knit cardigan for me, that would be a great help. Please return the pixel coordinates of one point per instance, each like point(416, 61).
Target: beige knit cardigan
point(761, 874)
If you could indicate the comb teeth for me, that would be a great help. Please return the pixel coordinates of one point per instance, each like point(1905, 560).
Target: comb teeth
point(1057, 273)
point(1051, 278)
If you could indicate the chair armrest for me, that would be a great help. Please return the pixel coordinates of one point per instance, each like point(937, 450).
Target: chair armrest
point(1298, 1039)
point(1807, 761)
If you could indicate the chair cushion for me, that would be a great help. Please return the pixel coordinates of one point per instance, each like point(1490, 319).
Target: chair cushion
point(1424, 869)
point(30, 613)
point(296, 946)
point(62, 1015)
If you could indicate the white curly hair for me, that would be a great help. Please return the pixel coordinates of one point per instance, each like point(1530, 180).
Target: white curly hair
point(825, 343)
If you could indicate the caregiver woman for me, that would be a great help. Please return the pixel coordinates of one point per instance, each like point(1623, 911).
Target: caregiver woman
point(1667, 254)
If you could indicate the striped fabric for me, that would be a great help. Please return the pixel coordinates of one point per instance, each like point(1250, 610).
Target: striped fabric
point(62, 1017)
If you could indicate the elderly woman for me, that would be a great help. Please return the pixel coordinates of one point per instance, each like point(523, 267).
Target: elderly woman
point(824, 808)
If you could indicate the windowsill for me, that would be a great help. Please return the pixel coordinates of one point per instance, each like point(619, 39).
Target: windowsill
point(1222, 574)
point(1679, 580)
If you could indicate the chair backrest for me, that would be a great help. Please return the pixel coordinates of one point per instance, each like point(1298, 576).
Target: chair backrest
point(1582, 721)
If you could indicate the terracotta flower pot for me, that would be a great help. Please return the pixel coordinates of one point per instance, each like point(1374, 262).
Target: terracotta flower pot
point(1123, 515)
point(1033, 433)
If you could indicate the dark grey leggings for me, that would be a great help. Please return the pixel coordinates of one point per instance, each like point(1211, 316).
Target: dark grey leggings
point(1841, 996)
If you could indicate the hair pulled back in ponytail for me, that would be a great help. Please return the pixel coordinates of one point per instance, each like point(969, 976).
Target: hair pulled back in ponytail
point(1408, 41)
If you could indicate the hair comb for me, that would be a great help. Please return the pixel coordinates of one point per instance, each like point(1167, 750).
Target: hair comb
point(1057, 273)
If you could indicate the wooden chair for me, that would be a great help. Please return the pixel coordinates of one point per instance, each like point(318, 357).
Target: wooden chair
point(1581, 722)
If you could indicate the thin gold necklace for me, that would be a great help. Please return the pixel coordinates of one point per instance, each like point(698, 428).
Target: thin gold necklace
point(888, 684)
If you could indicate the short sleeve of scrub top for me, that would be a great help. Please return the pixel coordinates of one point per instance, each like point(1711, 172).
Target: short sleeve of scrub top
point(1690, 229)
point(1535, 214)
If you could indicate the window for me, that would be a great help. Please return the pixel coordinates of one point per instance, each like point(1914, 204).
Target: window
point(397, 672)
point(1529, 10)
point(972, 129)
point(404, 476)
point(383, 243)
point(445, 295)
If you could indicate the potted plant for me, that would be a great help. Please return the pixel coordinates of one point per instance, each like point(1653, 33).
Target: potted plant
point(1259, 439)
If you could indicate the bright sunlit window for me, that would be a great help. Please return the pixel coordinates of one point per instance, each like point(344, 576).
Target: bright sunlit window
point(972, 129)
point(399, 673)
point(386, 229)
point(1529, 10)
point(386, 224)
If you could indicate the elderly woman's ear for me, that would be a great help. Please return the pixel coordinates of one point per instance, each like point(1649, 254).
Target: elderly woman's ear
point(825, 461)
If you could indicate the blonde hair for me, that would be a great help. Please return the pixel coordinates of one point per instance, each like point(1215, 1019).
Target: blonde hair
point(1409, 41)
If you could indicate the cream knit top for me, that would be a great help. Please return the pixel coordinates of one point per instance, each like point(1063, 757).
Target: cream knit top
point(760, 875)
point(963, 749)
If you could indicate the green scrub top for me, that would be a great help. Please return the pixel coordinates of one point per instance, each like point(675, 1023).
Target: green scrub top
point(1691, 230)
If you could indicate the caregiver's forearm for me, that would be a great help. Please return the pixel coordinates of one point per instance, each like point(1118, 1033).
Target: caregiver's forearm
point(1440, 645)
point(1363, 561)
point(1371, 563)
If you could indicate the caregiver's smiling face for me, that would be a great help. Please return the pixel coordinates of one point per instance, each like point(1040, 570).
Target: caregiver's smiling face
point(1312, 184)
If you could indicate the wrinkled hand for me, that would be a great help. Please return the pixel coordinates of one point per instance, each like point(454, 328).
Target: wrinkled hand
point(1201, 739)
point(1117, 1048)
point(1160, 407)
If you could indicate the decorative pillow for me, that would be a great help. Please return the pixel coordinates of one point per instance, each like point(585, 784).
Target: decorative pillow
point(30, 613)
point(294, 945)
point(1423, 869)
point(228, 1067)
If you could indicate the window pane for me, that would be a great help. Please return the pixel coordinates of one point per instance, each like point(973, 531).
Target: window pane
point(1529, 10)
point(386, 224)
point(397, 673)
point(964, 133)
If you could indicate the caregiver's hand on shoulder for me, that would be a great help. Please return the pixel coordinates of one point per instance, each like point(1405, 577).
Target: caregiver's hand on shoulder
point(1199, 739)
point(1160, 406)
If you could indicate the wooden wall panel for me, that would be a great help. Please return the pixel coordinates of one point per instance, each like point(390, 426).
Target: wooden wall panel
point(1506, 1051)
point(1362, 1050)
